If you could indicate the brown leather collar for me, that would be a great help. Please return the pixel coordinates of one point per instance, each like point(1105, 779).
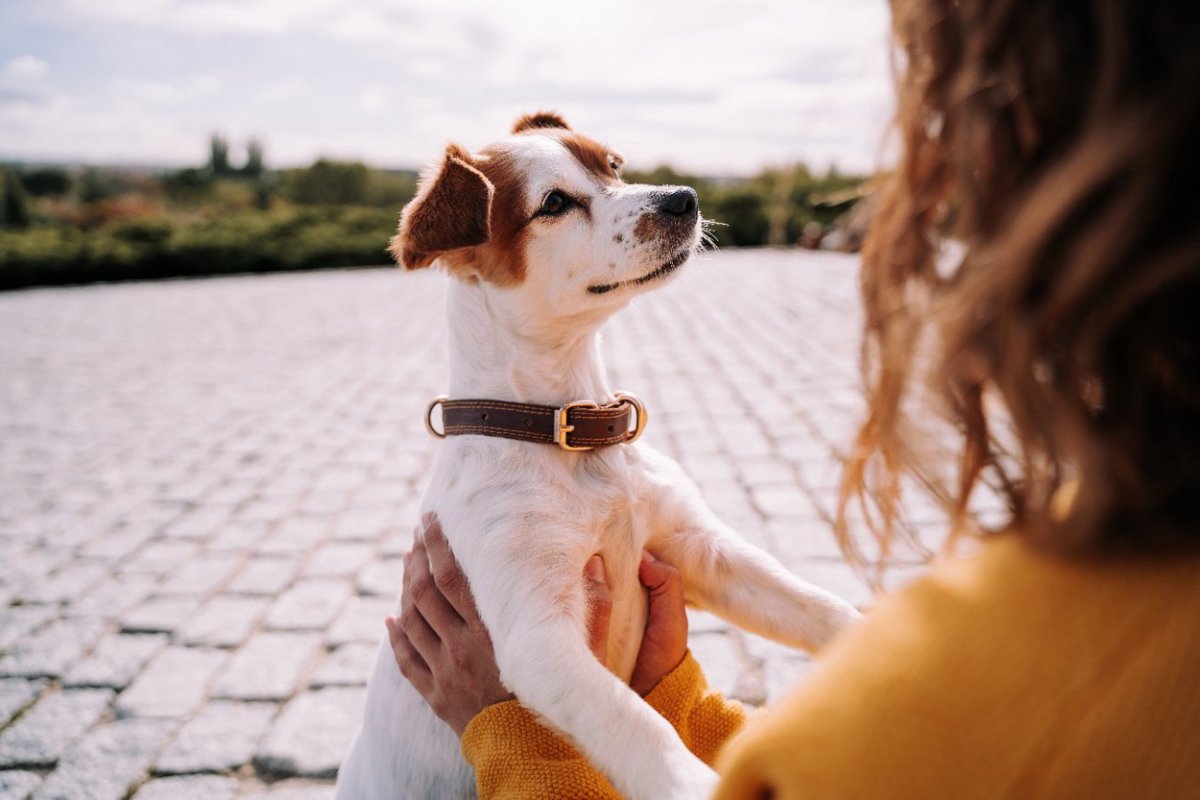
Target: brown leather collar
point(581, 425)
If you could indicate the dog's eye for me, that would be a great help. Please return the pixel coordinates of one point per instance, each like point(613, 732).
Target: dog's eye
point(555, 203)
point(616, 168)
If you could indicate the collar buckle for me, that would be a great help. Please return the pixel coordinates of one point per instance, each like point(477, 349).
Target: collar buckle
point(562, 424)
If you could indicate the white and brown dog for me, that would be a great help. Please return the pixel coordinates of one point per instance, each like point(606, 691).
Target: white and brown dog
point(543, 242)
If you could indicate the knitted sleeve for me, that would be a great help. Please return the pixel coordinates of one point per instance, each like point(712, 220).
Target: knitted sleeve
point(516, 756)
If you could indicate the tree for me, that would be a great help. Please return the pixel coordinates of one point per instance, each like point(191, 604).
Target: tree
point(47, 182)
point(255, 161)
point(328, 183)
point(14, 208)
point(94, 186)
point(218, 155)
point(188, 185)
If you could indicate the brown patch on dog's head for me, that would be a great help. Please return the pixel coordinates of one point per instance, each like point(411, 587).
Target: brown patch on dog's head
point(502, 259)
point(452, 211)
point(540, 119)
point(597, 159)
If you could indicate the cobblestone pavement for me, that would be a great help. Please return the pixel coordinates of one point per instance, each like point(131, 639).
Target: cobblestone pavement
point(206, 488)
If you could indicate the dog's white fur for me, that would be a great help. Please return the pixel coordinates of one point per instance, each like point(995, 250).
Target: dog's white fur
point(523, 519)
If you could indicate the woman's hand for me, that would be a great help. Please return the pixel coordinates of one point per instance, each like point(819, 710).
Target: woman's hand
point(439, 642)
point(441, 646)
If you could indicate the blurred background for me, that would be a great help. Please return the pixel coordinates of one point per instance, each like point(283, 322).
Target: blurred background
point(148, 138)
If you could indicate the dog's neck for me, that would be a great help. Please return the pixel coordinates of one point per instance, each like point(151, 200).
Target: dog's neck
point(496, 358)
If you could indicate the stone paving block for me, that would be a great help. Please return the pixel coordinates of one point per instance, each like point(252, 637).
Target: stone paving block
point(782, 675)
point(65, 584)
point(308, 605)
point(268, 667)
point(339, 560)
point(782, 501)
point(395, 545)
point(795, 541)
point(188, 787)
point(160, 557)
point(18, 621)
point(200, 523)
point(839, 578)
point(201, 576)
point(363, 524)
point(382, 578)
point(295, 536)
point(265, 576)
point(115, 661)
point(34, 565)
point(705, 622)
point(312, 733)
point(292, 790)
point(17, 694)
point(44, 732)
point(221, 738)
point(238, 535)
point(118, 544)
point(172, 685)
point(724, 665)
point(51, 649)
point(159, 614)
point(349, 665)
point(114, 597)
point(362, 620)
point(107, 762)
point(326, 502)
point(16, 784)
point(223, 621)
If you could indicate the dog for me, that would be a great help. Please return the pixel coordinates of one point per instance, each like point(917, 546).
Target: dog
point(542, 241)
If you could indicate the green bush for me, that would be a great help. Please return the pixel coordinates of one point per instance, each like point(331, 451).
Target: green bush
point(328, 183)
point(47, 182)
point(146, 248)
point(216, 219)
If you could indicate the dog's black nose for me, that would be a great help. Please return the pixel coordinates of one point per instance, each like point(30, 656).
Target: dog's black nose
point(679, 202)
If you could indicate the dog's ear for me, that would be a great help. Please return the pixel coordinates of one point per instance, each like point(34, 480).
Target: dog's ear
point(540, 119)
point(451, 211)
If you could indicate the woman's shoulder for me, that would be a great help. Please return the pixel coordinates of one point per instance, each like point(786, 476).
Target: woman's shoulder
point(998, 670)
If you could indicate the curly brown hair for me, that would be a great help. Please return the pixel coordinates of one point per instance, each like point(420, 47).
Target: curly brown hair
point(1057, 144)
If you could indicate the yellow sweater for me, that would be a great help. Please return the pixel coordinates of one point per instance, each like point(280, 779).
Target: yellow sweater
point(1007, 674)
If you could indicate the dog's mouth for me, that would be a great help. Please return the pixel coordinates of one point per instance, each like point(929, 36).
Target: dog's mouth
point(666, 269)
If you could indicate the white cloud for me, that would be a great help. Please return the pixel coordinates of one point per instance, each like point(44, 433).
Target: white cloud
point(720, 88)
point(26, 66)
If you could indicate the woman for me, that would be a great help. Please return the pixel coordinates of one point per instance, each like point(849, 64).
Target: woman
point(1058, 141)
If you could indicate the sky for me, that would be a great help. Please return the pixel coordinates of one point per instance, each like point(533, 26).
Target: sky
point(718, 88)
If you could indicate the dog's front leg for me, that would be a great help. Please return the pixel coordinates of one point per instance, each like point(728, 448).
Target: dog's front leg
point(537, 622)
point(727, 575)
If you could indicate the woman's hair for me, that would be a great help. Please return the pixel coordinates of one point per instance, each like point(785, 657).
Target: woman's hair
point(1034, 269)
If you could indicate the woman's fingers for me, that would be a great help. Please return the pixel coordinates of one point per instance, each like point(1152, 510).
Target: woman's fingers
point(411, 665)
point(427, 596)
point(664, 642)
point(664, 582)
point(599, 600)
point(412, 623)
point(447, 574)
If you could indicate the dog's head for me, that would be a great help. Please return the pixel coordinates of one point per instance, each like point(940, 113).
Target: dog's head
point(543, 219)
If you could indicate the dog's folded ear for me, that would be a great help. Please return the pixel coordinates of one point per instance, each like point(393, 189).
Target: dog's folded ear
point(451, 211)
point(539, 119)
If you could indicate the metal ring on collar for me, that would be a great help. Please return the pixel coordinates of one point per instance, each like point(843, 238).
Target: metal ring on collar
point(437, 401)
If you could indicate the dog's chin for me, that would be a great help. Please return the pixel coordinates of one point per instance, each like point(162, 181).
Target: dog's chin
point(657, 274)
